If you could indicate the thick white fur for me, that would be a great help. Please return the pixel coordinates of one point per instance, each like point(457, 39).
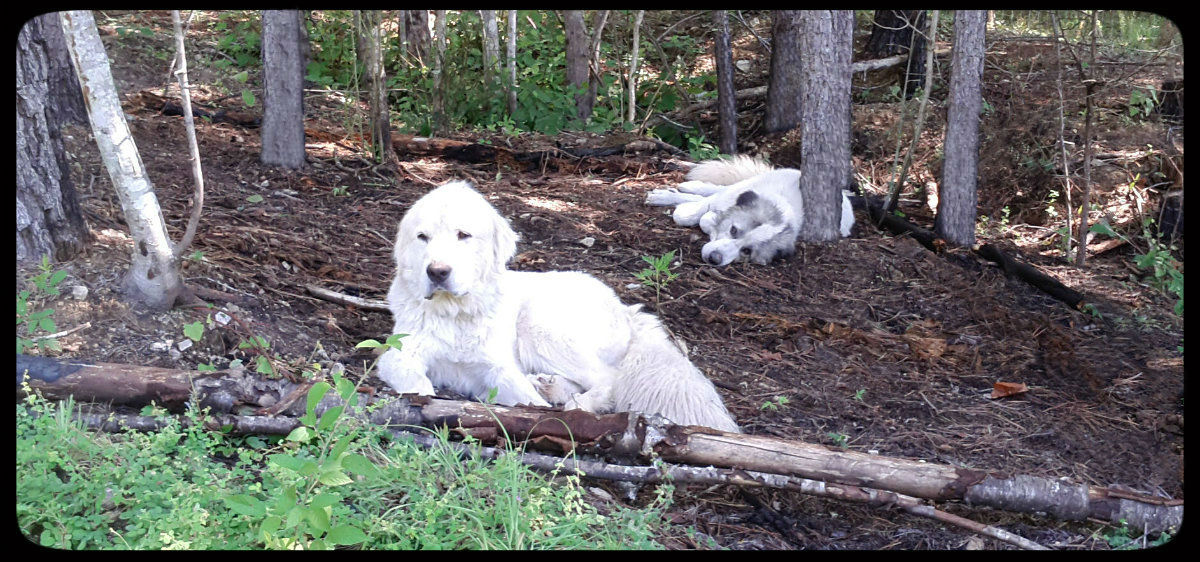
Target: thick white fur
point(714, 186)
point(563, 333)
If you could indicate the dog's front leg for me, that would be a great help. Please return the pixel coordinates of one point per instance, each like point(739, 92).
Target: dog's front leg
point(513, 387)
point(598, 400)
point(404, 371)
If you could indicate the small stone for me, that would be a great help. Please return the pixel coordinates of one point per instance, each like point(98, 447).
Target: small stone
point(742, 65)
point(184, 344)
point(79, 292)
point(222, 318)
point(588, 241)
point(159, 346)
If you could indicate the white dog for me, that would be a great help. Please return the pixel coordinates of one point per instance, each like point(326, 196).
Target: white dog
point(745, 206)
point(474, 326)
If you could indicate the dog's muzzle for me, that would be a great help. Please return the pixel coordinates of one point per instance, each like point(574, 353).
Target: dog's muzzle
point(439, 275)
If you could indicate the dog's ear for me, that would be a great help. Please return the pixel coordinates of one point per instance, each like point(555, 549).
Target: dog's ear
point(747, 198)
point(504, 240)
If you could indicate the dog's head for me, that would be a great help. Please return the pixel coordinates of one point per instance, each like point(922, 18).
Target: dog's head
point(452, 242)
point(754, 226)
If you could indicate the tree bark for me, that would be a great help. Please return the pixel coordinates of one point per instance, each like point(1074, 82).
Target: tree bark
point(511, 48)
point(440, 125)
point(783, 85)
point(619, 435)
point(956, 211)
point(726, 99)
point(417, 37)
point(631, 108)
point(826, 39)
point(153, 278)
point(491, 44)
point(894, 32)
point(283, 40)
point(185, 97)
point(49, 219)
point(371, 54)
point(577, 62)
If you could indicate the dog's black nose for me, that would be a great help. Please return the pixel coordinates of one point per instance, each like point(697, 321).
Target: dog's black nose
point(714, 258)
point(438, 272)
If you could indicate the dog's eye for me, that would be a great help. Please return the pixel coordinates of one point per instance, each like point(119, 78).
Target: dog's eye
point(733, 231)
point(745, 251)
point(463, 235)
point(422, 237)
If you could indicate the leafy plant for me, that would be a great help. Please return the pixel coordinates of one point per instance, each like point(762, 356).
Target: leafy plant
point(838, 439)
point(775, 404)
point(1142, 102)
point(45, 285)
point(659, 274)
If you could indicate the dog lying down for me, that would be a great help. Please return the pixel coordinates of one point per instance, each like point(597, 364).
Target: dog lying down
point(745, 206)
point(562, 337)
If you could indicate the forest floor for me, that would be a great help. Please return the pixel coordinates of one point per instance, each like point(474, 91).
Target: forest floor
point(873, 343)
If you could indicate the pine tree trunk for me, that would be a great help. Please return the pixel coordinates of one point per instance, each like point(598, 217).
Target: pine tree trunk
point(438, 98)
point(153, 279)
point(577, 61)
point(956, 212)
point(49, 221)
point(417, 37)
point(827, 41)
point(491, 43)
point(726, 99)
point(783, 84)
point(283, 40)
point(893, 33)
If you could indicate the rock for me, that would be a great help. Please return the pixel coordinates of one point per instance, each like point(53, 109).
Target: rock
point(742, 65)
point(160, 346)
point(184, 344)
point(587, 242)
point(79, 292)
point(221, 318)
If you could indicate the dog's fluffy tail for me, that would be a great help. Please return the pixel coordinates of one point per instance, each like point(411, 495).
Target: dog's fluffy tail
point(728, 171)
point(657, 378)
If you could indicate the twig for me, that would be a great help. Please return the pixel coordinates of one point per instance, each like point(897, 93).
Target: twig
point(193, 149)
point(334, 296)
point(890, 203)
point(55, 335)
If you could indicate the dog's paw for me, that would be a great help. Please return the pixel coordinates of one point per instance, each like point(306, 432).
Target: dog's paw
point(402, 375)
point(662, 197)
point(689, 214)
point(555, 389)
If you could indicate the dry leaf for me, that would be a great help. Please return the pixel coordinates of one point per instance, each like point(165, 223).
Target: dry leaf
point(1002, 389)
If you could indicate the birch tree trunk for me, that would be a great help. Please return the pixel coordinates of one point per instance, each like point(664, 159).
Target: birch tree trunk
point(956, 211)
point(826, 39)
point(726, 99)
point(631, 108)
point(491, 43)
point(783, 84)
point(153, 278)
point(371, 53)
point(283, 41)
point(49, 221)
point(511, 41)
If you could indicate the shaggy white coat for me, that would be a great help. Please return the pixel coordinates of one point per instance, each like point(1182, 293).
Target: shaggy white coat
point(713, 189)
point(562, 337)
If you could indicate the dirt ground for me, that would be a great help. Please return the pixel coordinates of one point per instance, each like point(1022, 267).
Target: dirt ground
point(872, 338)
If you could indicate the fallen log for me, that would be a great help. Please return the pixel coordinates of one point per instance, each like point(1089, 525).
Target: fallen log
point(230, 395)
point(1010, 265)
point(568, 158)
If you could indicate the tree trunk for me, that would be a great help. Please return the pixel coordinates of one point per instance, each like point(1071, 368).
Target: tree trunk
point(371, 54)
point(960, 170)
point(594, 72)
point(185, 97)
point(783, 84)
point(511, 54)
point(631, 109)
point(416, 34)
point(49, 221)
point(726, 99)
point(827, 41)
point(577, 62)
point(491, 44)
point(439, 82)
point(283, 40)
point(618, 435)
point(153, 279)
point(894, 32)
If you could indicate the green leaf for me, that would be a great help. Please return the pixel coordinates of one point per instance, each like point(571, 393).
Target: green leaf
point(286, 461)
point(206, 368)
point(371, 344)
point(256, 198)
point(194, 331)
point(329, 418)
point(315, 394)
point(324, 500)
point(47, 324)
point(301, 434)
point(334, 478)
point(346, 535)
point(317, 517)
point(359, 464)
point(262, 366)
point(245, 505)
point(248, 98)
